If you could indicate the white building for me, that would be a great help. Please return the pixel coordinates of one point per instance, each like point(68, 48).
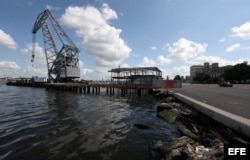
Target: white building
point(195, 70)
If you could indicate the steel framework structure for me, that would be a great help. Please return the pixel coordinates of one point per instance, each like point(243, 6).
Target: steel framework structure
point(128, 75)
point(62, 64)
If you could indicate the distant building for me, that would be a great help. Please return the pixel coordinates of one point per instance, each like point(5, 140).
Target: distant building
point(194, 71)
point(187, 79)
point(214, 71)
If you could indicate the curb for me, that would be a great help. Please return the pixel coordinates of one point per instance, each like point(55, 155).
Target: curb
point(235, 122)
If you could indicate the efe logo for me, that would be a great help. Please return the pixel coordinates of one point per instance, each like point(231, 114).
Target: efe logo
point(237, 151)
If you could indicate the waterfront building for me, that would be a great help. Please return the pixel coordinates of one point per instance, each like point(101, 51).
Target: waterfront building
point(147, 76)
point(213, 70)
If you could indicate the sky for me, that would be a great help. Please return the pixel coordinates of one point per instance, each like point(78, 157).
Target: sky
point(169, 34)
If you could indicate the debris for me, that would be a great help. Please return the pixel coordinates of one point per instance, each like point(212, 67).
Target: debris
point(179, 142)
point(185, 131)
point(202, 138)
point(195, 128)
point(207, 141)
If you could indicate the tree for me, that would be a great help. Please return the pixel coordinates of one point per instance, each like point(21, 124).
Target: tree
point(239, 72)
point(202, 78)
point(177, 77)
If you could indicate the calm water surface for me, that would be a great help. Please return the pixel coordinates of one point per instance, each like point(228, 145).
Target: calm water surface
point(39, 124)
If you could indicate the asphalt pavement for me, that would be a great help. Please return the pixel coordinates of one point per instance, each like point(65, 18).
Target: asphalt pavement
point(235, 100)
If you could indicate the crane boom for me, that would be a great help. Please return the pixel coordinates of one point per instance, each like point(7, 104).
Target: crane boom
point(62, 64)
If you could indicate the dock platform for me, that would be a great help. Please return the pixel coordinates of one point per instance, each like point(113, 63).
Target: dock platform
point(94, 88)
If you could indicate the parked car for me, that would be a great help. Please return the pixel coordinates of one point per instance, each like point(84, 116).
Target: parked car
point(226, 84)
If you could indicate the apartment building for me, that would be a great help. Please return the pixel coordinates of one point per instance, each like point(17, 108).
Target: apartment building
point(212, 70)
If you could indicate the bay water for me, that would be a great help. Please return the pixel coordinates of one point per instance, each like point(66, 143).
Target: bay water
point(36, 123)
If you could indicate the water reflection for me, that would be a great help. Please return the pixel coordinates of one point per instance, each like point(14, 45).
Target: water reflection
point(39, 124)
point(85, 123)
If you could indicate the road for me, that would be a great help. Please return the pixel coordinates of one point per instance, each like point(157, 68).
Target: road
point(235, 100)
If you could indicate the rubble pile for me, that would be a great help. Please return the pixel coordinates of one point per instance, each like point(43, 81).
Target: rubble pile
point(201, 137)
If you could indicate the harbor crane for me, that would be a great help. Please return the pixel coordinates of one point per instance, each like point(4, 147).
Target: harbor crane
point(63, 64)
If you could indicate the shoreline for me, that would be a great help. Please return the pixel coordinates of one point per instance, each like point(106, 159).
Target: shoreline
point(201, 136)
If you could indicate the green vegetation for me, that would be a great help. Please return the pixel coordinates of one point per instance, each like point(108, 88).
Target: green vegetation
point(177, 77)
point(240, 73)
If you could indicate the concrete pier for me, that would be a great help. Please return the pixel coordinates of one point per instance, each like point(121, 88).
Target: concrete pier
point(111, 89)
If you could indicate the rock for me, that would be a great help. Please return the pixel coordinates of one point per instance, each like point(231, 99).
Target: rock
point(179, 142)
point(157, 144)
point(154, 146)
point(216, 152)
point(207, 141)
point(176, 105)
point(185, 131)
point(169, 115)
point(154, 91)
point(163, 106)
point(142, 126)
point(161, 95)
point(190, 148)
point(175, 154)
point(185, 112)
point(201, 152)
point(169, 99)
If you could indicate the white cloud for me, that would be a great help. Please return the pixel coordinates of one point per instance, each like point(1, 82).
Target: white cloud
point(172, 72)
point(7, 41)
point(40, 59)
point(153, 47)
point(222, 40)
point(10, 68)
point(108, 13)
point(30, 71)
point(184, 49)
point(233, 47)
point(163, 60)
point(81, 64)
point(146, 62)
point(166, 47)
point(125, 65)
point(182, 71)
point(40, 63)
point(100, 39)
point(246, 48)
point(51, 7)
point(212, 59)
point(97, 73)
point(9, 65)
point(243, 31)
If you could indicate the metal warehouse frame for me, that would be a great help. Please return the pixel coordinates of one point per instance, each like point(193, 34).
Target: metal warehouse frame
point(124, 75)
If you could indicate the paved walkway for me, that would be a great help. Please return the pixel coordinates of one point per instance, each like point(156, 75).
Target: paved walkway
point(219, 104)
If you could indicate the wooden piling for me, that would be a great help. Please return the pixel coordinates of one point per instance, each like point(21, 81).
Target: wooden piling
point(111, 89)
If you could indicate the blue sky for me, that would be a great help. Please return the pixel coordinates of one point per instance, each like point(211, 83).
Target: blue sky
point(169, 34)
